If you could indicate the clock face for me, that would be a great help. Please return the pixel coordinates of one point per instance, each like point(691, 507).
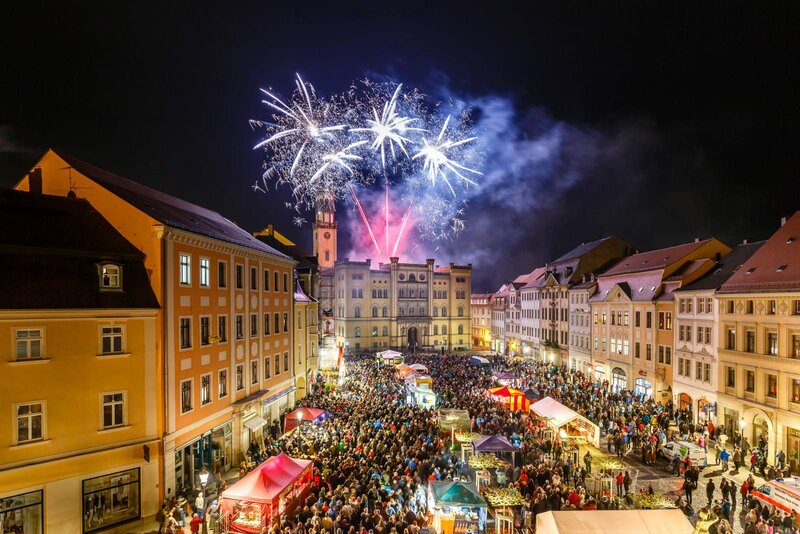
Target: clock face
point(326, 235)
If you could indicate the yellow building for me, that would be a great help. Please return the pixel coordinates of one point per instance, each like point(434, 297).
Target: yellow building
point(224, 330)
point(481, 311)
point(759, 346)
point(632, 315)
point(79, 450)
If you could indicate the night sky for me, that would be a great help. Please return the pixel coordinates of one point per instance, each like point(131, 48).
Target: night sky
point(663, 121)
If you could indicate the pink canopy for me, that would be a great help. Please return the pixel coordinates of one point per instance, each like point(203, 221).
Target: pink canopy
point(268, 480)
point(294, 417)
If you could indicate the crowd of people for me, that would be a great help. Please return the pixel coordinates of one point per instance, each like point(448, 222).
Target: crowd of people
point(374, 456)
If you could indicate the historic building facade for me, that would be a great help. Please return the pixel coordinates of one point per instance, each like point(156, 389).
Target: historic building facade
point(580, 324)
point(407, 306)
point(481, 310)
point(633, 315)
point(225, 321)
point(79, 450)
point(759, 346)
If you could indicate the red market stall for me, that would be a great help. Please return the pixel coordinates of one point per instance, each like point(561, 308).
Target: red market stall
point(265, 493)
point(300, 415)
point(513, 398)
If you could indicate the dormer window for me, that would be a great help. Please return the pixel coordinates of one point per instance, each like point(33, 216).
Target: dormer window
point(110, 276)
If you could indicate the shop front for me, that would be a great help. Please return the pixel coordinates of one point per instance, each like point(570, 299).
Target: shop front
point(643, 386)
point(793, 449)
point(731, 418)
point(110, 499)
point(23, 513)
point(212, 450)
point(600, 373)
point(619, 380)
point(706, 410)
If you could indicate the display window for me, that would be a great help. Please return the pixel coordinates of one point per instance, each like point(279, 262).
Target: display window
point(111, 499)
point(22, 514)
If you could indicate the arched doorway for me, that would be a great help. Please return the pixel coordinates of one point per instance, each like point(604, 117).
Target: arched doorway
point(643, 386)
point(618, 379)
point(412, 338)
point(684, 402)
point(758, 424)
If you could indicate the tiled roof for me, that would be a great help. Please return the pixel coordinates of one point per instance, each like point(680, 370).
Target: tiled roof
point(775, 266)
point(720, 273)
point(170, 210)
point(533, 278)
point(300, 295)
point(654, 259)
point(50, 259)
point(581, 249)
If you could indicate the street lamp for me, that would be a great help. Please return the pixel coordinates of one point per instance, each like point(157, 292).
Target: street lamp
point(299, 418)
point(742, 423)
point(203, 477)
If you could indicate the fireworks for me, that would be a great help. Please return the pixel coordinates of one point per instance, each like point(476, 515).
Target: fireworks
point(327, 149)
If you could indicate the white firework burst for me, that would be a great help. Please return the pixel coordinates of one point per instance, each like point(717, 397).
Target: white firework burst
point(441, 158)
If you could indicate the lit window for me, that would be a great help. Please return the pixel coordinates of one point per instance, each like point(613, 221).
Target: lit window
point(185, 269)
point(111, 340)
point(239, 377)
point(113, 409)
point(30, 422)
point(205, 330)
point(285, 361)
point(186, 396)
point(28, 344)
point(223, 383)
point(110, 276)
point(254, 372)
point(186, 332)
point(205, 272)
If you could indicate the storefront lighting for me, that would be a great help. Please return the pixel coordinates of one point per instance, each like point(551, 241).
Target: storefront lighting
point(742, 423)
point(203, 477)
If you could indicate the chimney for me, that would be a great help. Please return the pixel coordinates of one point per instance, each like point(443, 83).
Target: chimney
point(696, 239)
point(35, 181)
point(783, 221)
point(744, 241)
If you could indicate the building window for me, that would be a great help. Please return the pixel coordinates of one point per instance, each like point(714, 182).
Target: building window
point(254, 372)
point(795, 346)
point(253, 278)
point(285, 322)
point(240, 377)
point(205, 389)
point(772, 343)
point(461, 329)
point(444, 329)
point(637, 350)
point(772, 386)
point(277, 323)
point(750, 381)
point(649, 352)
point(795, 393)
point(385, 331)
point(222, 274)
point(30, 422)
point(110, 276)
point(185, 269)
point(266, 324)
point(357, 312)
point(113, 409)
point(460, 311)
point(23, 512)
point(649, 320)
point(285, 283)
point(253, 325)
point(731, 339)
point(266, 367)
point(277, 363)
point(28, 344)
point(205, 272)
point(436, 311)
point(435, 330)
point(750, 341)
point(275, 278)
point(664, 321)
point(186, 332)
point(186, 396)
point(749, 307)
point(286, 361)
point(239, 326)
point(796, 307)
point(374, 331)
point(266, 280)
point(222, 383)
point(374, 311)
point(110, 500)
point(222, 329)
point(444, 311)
point(730, 381)
point(205, 330)
point(706, 372)
point(357, 331)
point(239, 276)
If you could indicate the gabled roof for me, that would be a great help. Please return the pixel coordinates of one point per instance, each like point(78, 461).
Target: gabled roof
point(51, 252)
point(582, 249)
point(169, 210)
point(300, 295)
point(723, 270)
point(654, 259)
point(534, 277)
point(775, 266)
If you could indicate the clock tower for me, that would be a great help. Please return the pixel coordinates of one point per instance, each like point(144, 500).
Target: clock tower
point(325, 237)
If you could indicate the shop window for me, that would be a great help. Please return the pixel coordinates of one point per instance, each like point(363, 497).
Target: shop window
point(29, 344)
point(23, 513)
point(111, 500)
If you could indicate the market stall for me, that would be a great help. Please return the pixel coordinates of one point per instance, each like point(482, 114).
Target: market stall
point(480, 361)
point(558, 417)
point(505, 379)
point(390, 357)
point(457, 507)
point(251, 504)
point(419, 368)
point(495, 444)
point(420, 396)
point(451, 420)
point(512, 398)
point(614, 521)
point(303, 415)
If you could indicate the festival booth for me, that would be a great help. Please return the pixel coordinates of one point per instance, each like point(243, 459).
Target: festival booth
point(264, 494)
point(390, 357)
point(404, 370)
point(614, 522)
point(480, 361)
point(422, 397)
point(457, 507)
point(505, 379)
point(560, 418)
point(452, 420)
point(513, 399)
point(418, 367)
point(495, 444)
point(303, 415)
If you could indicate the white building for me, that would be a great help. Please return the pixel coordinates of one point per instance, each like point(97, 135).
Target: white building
point(580, 325)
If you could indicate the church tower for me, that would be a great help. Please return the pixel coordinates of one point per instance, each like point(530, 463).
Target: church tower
point(325, 236)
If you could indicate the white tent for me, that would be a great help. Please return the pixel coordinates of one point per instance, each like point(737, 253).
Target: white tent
point(419, 367)
point(389, 354)
point(557, 416)
point(614, 521)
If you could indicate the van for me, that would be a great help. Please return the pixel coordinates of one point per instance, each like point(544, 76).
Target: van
point(784, 493)
point(697, 455)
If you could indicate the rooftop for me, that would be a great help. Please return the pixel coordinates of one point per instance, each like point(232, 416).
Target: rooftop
point(723, 270)
point(654, 259)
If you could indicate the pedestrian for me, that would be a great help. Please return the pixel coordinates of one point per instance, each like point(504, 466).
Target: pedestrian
point(587, 459)
point(620, 483)
point(743, 491)
point(688, 488)
point(194, 524)
point(710, 487)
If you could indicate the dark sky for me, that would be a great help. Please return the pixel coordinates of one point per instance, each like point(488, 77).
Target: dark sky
point(689, 110)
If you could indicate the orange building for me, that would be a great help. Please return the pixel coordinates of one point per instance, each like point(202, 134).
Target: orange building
point(225, 324)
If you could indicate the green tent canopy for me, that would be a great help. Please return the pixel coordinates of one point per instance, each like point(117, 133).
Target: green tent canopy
point(449, 493)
